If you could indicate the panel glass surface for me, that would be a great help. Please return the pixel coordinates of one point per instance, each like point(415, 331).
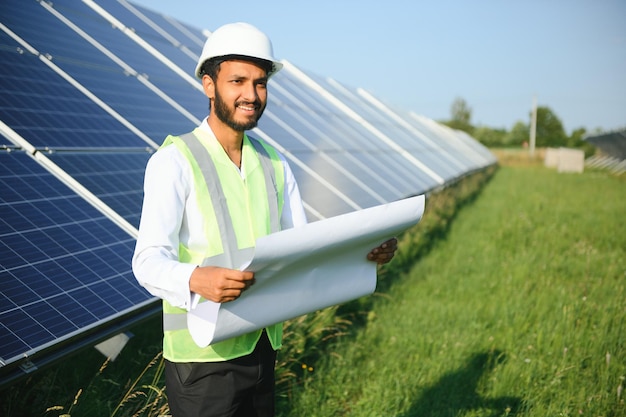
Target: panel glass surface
point(332, 130)
point(48, 111)
point(420, 146)
point(338, 166)
point(321, 198)
point(480, 149)
point(134, 55)
point(448, 142)
point(147, 33)
point(188, 36)
point(99, 74)
point(64, 266)
point(475, 153)
point(116, 178)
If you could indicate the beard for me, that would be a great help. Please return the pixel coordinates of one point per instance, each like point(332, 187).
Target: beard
point(226, 114)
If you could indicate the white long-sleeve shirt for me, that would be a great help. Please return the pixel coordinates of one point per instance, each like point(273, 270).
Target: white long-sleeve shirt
point(170, 216)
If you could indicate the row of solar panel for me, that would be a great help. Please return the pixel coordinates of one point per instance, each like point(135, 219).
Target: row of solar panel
point(299, 119)
point(64, 267)
point(84, 97)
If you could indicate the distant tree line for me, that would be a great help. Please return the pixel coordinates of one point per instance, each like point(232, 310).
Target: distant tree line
point(549, 130)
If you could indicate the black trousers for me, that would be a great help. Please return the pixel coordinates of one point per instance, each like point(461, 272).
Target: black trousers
point(241, 387)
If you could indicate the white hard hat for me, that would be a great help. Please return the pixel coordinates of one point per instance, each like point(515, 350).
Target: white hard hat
point(241, 39)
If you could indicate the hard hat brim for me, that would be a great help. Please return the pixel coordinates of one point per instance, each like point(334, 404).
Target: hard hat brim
point(276, 65)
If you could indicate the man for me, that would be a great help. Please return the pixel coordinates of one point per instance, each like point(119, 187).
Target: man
point(207, 196)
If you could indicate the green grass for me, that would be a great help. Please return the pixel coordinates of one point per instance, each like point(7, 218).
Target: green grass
point(519, 310)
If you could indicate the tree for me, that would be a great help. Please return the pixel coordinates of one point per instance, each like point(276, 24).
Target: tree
point(576, 138)
point(576, 141)
point(550, 130)
point(489, 137)
point(461, 111)
point(461, 115)
point(519, 134)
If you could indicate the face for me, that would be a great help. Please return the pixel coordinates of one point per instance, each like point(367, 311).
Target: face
point(239, 95)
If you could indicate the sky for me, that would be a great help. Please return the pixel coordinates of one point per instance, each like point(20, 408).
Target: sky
point(497, 55)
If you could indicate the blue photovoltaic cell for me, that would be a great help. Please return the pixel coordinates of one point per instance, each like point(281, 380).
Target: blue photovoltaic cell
point(153, 37)
point(114, 177)
point(64, 266)
point(47, 111)
point(186, 35)
point(134, 55)
point(100, 75)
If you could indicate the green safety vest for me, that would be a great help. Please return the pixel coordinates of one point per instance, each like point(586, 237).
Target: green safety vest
point(236, 212)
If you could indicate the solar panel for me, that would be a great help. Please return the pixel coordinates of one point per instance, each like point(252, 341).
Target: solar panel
point(459, 143)
point(450, 151)
point(185, 36)
point(114, 177)
point(137, 57)
point(100, 75)
point(334, 131)
point(392, 126)
point(47, 110)
point(64, 266)
point(154, 37)
point(449, 143)
point(612, 144)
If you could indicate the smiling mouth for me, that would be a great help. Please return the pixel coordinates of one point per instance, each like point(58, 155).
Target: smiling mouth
point(247, 107)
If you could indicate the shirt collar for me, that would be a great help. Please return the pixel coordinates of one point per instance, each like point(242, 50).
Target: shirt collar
point(205, 125)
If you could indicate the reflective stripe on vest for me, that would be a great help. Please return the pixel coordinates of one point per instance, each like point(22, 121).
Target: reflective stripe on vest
point(232, 257)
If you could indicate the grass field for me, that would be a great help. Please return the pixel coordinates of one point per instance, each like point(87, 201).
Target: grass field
point(520, 310)
point(515, 306)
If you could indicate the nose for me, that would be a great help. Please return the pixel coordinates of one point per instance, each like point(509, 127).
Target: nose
point(250, 92)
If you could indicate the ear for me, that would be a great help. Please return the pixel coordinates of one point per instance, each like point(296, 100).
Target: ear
point(209, 86)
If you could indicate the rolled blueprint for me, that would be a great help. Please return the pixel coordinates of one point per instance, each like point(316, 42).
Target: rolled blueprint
point(304, 269)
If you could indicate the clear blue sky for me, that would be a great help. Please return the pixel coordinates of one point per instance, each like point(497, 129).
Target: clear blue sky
point(421, 55)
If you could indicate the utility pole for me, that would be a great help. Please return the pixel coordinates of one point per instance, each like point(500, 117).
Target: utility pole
point(533, 126)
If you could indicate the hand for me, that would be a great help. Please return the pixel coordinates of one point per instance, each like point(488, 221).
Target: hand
point(220, 285)
point(384, 253)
